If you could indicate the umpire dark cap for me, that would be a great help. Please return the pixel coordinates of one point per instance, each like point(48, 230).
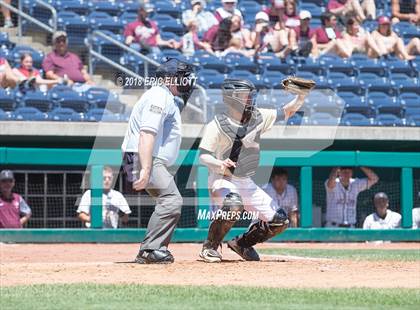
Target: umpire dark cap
point(380, 195)
point(6, 175)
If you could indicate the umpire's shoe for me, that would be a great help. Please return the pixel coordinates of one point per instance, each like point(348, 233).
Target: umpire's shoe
point(248, 254)
point(210, 255)
point(154, 257)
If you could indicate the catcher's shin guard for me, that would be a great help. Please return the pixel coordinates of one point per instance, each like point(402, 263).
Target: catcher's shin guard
point(262, 231)
point(232, 205)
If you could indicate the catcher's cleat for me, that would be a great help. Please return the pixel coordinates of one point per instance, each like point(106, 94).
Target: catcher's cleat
point(247, 253)
point(154, 257)
point(210, 255)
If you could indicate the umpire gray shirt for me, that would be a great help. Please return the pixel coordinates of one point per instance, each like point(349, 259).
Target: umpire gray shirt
point(158, 112)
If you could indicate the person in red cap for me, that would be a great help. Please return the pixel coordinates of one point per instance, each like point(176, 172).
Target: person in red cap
point(360, 9)
point(388, 41)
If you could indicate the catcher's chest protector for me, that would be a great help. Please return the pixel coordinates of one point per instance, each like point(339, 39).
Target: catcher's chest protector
point(245, 143)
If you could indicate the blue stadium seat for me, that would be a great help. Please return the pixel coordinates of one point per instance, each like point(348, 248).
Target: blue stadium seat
point(111, 8)
point(314, 67)
point(406, 29)
point(323, 103)
point(214, 96)
point(133, 63)
point(323, 119)
point(129, 7)
point(388, 120)
point(170, 35)
point(29, 114)
point(36, 11)
point(171, 53)
point(128, 17)
point(410, 100)
point(316, 10)
point(337, 64)
point(103, 98)
point(249, 8)
point(273, 79)
point(7, 100)
point(104, 21)
point(343, 82)
point(240, 62)
point(243, 74)
point(397, 65)
point(76, 26)
point(168, 23)
point(64, 114)
point(65, 97)
point(4, 41)
point(411, 111)
point(385, 104)
point(376, 83)
point(37, 99)
point(355, 119)
point(356, 104)
point(295, 120)
point(167, 7)
point(14, 55)
point(414, 120)
point(6, 116)
point(402, 80)
point(271, 62)
point(208, 61)
point(80, 7)
point(365, 64)
point(98, 115)
point(211, 78)
point(106, 48)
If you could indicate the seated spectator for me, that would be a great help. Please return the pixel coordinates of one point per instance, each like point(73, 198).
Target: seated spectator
point(357, 40)
point(382, 218)
point(63, 65)
point(405, 10)
point(240, 32)
point(416, 215)
point(113, 204)
point(326, 38)
point(6, 15)
point(143, 34)
point(26, 71)
point(359, 9)
point(388, 41)
point(236, 46)
point(290, 17)
point(284, 194)
point(342, 191)
point(14, 211)
point(300, 37)
point(280, 43)
point(262, 34)
point(191, 42)
point(227, 10)
point(205, 19)
point(7, 76)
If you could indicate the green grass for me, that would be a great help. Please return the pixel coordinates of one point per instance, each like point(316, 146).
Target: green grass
point(92, 296)
point(354, 254)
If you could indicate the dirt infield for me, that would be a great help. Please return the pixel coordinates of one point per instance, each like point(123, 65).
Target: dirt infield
point(23, 264)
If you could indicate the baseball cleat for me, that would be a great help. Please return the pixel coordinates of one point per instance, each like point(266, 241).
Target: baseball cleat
point(154, 257)
point(248, 254)
point(210, 256)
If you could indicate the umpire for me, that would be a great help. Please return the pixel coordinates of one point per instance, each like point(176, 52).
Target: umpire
point(151, 144)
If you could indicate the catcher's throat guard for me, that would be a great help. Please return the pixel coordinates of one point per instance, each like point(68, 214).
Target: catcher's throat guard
point(241, 95)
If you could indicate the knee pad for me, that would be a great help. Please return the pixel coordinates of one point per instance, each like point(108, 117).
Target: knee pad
point(232, 207)
point(279, 223)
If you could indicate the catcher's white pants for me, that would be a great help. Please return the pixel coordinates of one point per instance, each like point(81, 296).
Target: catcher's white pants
point(254, 198)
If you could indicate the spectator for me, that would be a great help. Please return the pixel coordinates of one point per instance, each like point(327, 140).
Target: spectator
point(62, 65)
point(284, 194)
point(219, 36)
point(342, 191)
point(14, 211)
point(7, 17)
point(388, 41)
point(382, 218)
point(276, 11)
point(205, 19)
point(238, 31)
point(416, 215)
point(26, 71)
point(143, 34)
point(300, 37)
point(290, 17)
point(360, 9)
point(7, 77)
point(236, 46)
point(113, 204)
point(191, 42)
point(405, 10)
point(262, 36)
point(227, 10)
point(281, 39)
point(357, 40)
point(326, 38)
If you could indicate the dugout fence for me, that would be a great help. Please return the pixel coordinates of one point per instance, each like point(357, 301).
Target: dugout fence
point(307, 162)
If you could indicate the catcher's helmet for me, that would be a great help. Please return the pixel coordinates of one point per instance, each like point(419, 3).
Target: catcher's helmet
point(181, 73)
point(240, 95)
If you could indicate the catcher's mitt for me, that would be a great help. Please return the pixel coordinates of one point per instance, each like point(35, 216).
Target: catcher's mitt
point(297, 85)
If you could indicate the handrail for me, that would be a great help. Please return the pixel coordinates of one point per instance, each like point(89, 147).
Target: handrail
point(20, 13)
point(53, 12)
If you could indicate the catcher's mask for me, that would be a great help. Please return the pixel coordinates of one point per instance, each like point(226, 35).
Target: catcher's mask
point(180, 73)
point(240, 95)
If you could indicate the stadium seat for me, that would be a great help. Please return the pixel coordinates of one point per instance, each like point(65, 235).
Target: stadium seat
point(64, 114)
point(65, 97)
point(80, 7)
point(36, 11)
point(368, 65)
point(240, 62)
point(109, 7)
point(323, 119)
point(356, 104)
point(336, 64)
point(295, 120)
point(249, 9)
point(104, 21)
point(410, 100)
point(316, 10)
point(376, 83)
point(385, 104)
point(17, 51)
point(271, 62)
point(76, 26)
point(4, 41)
point(211, 78)
point(355, 119)
point(37, 99)
point(168, 23)
point(167, 7)
point(273, 79)
point(5, 116)
point(133, 63)
point(343, 82)
point(128, 17)
point(402, 80)
point(397, 65)
point(168, 36)
point(414, 120)
point(388, 120)
point(7, 100)
point(29, 114)
point(243, 74)
point(129, 7)
point(208, 61)
point(107, 48)
point(409, 112)
point(101, 115)
point(214, 96)
point(102, 98)
point(323, 103)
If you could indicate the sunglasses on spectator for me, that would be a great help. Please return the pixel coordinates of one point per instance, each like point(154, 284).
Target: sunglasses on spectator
point(107, 178)
point(61, 40)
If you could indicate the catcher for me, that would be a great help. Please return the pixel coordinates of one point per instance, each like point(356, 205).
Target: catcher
point(230, 148)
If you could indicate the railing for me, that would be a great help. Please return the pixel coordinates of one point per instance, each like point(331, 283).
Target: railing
point(304, 159)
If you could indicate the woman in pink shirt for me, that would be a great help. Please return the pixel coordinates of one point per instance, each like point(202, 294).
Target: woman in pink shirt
point(26, 71)
point(290, 17)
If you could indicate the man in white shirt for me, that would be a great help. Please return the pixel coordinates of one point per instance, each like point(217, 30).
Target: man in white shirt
point(284, 194)
point(342, 191)
point(205, 19)
point(382, 218)
point(113, 204)
point(228, 9)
